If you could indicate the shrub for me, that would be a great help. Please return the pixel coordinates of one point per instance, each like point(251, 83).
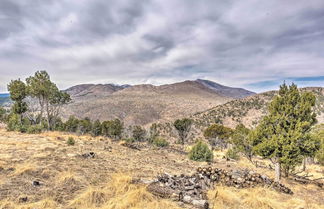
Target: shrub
point(70, 141)
point(201, 152)
point(160, 142)
point(34, 129)
point(138, 133)
point(14, 123)
point(129, 140)
point(232, 154)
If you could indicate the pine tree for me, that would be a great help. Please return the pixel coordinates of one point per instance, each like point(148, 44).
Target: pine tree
point(283, 135)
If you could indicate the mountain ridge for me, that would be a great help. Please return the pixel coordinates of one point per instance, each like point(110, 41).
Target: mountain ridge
point(146, 103)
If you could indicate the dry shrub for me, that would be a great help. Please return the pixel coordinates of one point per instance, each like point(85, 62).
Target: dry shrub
point(255, 198)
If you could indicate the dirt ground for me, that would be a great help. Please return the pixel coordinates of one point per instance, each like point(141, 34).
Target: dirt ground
point(37, 167)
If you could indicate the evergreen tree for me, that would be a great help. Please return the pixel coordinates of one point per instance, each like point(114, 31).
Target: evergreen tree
point(242, 141)
point(96, 128)
point(3, 114)
point(183, 127)
point(218, 135)
point(71, 125)
point(84, 126)
point(18, 92)
point(112, 128)
point(40, 87)
point(283, 135)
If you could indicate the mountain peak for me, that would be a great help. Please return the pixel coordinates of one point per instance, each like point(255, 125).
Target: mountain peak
point(236, 93)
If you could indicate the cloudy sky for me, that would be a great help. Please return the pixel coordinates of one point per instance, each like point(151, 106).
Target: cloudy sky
point(243, 43)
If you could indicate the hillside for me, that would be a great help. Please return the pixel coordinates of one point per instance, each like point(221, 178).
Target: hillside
point(250, 110)
point(144, 104)
point(42, 171)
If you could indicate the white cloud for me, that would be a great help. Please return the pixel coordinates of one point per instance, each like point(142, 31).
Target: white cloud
point(161, 41)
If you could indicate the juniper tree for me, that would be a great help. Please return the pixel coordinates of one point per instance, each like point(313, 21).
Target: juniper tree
point(183, 127)
point(96, 128)
point(218, 135)
point(49, 97)
point(242, 141)
point(283, 134)
point(112, 128)
point(40, 87)
point(18, 92)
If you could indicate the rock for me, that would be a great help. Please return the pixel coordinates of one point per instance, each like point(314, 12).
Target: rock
point(201, 203)
point(23, 199)
point(89, 155)
point(36, 183)
point(186, 199)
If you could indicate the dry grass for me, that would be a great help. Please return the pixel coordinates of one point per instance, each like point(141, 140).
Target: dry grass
point(119, 193)
point(23, 168)
point(256, 198)
point(43, 204)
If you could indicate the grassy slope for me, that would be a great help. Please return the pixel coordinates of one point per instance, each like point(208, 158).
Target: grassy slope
point(70, 181)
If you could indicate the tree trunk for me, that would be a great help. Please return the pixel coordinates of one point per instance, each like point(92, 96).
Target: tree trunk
point(278, 170)
point(304, 164)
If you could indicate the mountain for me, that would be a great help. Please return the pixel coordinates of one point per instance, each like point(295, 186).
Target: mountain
point(250, 110)
point(146, 103)
point(94, 89)
point(225, 90)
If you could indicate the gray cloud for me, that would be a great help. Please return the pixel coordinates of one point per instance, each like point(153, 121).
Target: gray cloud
point(238, 43)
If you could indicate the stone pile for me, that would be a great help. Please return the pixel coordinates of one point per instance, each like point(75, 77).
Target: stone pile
point(192, 189)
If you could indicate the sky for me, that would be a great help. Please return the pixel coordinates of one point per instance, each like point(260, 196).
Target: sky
point(243, 43)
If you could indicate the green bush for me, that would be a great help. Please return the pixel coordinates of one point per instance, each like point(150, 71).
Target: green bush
point(14, 123)
point(160, 142)
point(129, 140)
point(201, 152)
point(232, 154)
point(70, 141)
point(34, 129)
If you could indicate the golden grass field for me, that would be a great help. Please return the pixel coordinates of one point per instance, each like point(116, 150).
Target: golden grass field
point(69, 181)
